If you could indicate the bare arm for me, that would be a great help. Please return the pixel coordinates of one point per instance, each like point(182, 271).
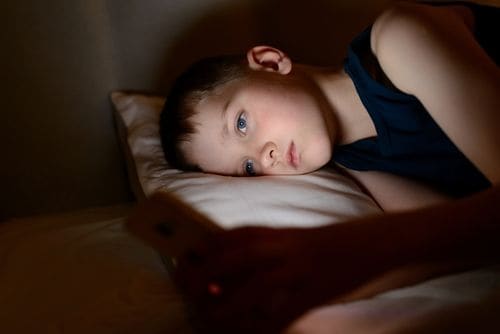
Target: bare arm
point(395, 193)
point(431, 53)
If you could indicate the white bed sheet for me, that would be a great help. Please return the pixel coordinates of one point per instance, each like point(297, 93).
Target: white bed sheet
point(84, 273)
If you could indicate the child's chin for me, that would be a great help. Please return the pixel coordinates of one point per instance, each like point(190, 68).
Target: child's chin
point(300, 172)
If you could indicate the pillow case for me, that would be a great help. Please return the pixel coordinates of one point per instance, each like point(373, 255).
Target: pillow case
point(322, 197)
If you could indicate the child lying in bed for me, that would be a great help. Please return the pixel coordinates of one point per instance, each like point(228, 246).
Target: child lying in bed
point(413, 116)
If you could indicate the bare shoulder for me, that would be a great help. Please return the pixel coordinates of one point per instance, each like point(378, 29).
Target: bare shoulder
point(431, 53)
point(411, 16)
point(410, 38)
point(411, 26)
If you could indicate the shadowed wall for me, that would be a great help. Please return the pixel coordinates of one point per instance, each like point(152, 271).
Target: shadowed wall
point(62, 58)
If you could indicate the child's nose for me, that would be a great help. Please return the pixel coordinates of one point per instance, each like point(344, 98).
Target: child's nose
point(269, 155)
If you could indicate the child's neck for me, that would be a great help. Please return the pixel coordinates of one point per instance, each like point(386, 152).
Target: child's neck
point(352, 118)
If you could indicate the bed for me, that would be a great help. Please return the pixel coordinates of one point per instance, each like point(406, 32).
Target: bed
point(83, 272)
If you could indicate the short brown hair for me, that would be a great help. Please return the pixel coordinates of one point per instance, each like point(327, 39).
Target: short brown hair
point(196, 83)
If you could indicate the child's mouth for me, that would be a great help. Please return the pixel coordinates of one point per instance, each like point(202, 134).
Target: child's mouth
point(292, 156)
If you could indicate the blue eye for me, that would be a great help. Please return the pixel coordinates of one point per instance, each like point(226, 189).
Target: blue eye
point(241, 123)
point(249, 168)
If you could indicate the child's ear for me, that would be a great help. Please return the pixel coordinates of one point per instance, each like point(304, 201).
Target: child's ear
point(266, 58)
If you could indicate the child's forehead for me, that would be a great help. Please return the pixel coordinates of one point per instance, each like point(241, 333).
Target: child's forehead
point(218, 97)
point(209, 110)
point(245, 85)
point(222, 95)
point(230, 86)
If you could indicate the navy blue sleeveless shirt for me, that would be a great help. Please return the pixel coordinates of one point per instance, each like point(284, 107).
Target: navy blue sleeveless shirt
point(408, 142)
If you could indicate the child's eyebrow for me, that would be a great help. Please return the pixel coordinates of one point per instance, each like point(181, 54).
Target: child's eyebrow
point(225, 130)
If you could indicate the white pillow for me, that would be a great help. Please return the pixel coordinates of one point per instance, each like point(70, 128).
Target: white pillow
point(319, 198)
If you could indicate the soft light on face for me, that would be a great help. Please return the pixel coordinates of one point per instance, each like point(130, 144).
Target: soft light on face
point(258, 126)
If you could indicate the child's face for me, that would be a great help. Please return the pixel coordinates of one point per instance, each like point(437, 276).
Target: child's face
point(260, 127)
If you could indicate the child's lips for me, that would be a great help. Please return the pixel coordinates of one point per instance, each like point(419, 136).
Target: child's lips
point(292, 156)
